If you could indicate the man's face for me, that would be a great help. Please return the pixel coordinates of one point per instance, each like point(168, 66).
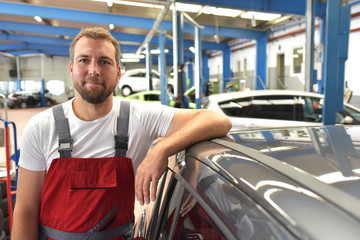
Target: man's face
point(94, 70)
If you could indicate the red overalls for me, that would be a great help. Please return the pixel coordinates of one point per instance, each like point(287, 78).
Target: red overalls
point(88, 198)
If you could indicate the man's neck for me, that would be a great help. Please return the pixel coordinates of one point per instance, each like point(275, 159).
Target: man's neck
point(88, 111)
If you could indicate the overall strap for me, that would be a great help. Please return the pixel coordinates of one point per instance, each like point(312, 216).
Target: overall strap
point(63, 131)
point(122, 126)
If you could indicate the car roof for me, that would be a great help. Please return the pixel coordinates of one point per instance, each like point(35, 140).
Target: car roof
point(249, 93)
point(319, 166)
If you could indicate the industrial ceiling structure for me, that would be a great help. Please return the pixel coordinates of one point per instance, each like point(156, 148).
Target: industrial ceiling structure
point(130, 22)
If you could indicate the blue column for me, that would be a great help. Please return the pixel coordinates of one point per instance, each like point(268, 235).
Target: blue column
point(164, 98)
point(260, 74)
point(42, 91)
point(322, 54)
point(226, 67)
point(331, 61)
point(205, 68)
point(344, 30)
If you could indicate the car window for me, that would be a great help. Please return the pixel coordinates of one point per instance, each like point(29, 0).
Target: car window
point(152, 97)
point(265, 107)
point(187, 220)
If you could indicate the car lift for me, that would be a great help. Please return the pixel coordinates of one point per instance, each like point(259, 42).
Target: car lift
point(11, 190)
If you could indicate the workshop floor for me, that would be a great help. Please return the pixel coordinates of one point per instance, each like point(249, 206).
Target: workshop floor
point(20, 117)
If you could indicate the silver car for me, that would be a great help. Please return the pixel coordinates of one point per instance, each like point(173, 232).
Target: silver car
point(286, 183)
point(276, 108)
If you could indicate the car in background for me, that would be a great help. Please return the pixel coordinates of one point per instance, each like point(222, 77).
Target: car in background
point(284, 184)
point(148, 96)
point(134, 80)
point(24, 99)
point(154, 97)
point(276, 108)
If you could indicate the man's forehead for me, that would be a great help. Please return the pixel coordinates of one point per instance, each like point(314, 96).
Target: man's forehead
point(85, 47)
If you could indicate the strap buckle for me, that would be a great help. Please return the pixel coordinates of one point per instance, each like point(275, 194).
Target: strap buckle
point(65, 146)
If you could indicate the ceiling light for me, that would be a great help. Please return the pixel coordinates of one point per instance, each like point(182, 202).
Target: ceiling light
point(38, 19)
point(110, 3)
point(260, 16)
point(157, 51)
point(129, 60)
point(207, 10)
point(185, 7)
point(111, 26)
point(131, 55)
point(227, 12)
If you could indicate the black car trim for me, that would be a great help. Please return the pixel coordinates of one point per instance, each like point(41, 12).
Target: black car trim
point(225, 230)
point(331, 194)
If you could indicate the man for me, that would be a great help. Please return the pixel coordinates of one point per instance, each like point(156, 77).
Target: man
point(73, 182)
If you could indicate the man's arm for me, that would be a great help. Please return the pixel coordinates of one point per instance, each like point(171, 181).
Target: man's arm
point(27, 207)
point(187, 127)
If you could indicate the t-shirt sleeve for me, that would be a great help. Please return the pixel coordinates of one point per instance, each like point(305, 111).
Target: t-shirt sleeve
point(156, 119)
point(31, 154)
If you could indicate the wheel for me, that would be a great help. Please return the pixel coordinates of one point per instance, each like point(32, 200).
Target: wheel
point(23, 105)
point(3, 189)
point(48, 102)
point(4, 207)
point(126, 91)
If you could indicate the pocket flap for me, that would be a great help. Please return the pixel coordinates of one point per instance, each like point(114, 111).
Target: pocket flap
point(92, 178)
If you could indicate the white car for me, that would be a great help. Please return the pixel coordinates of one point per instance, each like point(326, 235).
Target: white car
point(276, 108)
point(134, 80)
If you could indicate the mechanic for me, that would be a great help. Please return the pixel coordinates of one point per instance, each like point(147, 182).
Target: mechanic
point(73, 183)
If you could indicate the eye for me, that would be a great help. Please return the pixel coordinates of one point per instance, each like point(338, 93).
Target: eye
point(105, 62)
point(83, 60)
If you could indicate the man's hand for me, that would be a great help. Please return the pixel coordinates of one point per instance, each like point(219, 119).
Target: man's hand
point(149, 172)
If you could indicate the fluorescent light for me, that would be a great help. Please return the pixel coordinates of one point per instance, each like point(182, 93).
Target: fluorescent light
point(38, 19)
point(185, 7)
point(207, 10)
point(260, 16)
point(129, 60)
point(129, 3)
point(111, 26)
point(157, 51)
point(227, 12)
point(131, 55)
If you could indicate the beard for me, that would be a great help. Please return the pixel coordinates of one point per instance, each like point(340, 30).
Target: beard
point(94, 95)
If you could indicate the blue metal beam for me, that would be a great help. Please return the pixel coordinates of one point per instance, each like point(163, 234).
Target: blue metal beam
point(12, 46)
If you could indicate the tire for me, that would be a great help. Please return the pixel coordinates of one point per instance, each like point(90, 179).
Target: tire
point(23, 105)
point(1, 220)
point(126, 91)
point(2, 235)
point(48, 102)
point(4, 207)
point(6, 226)
point(3, 189)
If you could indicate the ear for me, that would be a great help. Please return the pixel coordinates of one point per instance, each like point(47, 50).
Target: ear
point(118, 72)
point(70, 67)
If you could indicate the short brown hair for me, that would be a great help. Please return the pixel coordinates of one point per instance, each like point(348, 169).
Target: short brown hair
point(96, 33)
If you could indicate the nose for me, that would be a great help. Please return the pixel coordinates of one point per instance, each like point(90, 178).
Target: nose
point(94, 69)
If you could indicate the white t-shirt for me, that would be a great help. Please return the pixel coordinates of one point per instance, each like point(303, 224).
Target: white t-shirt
point(93, 139)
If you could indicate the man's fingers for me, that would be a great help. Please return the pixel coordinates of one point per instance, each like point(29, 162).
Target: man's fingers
point(146, 190)
point(138, 190)
point(154, 184)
